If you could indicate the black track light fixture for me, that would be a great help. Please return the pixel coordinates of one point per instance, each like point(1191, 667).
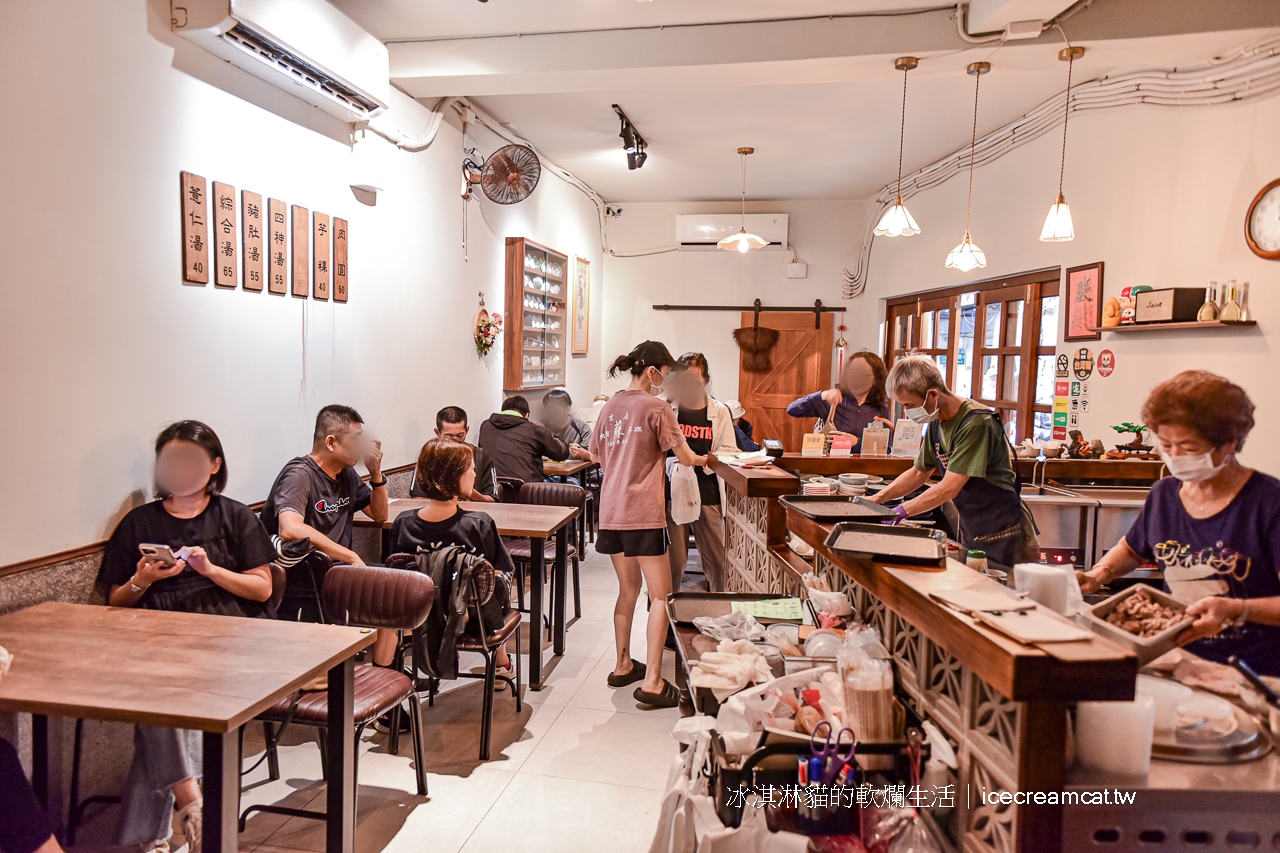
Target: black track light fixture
point(632, 142)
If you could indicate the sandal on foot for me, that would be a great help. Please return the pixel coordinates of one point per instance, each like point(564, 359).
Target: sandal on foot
point(636, 674)
point(668, 698)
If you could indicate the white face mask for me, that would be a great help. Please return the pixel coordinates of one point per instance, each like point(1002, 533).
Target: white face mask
point(656, 388)
point(922, 416)
point(1192, 469)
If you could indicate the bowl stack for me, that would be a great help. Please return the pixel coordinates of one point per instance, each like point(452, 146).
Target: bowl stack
point(853, 485)
point(820, 486)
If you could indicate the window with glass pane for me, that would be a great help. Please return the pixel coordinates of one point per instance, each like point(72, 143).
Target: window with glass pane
point(944, 328)
point(926, 330)
point(1013, 323)
point(1044, 380)
point(1043, 430)
point(964, 345)
point(1010, 417)
point(991, 335)
point(1049, 321)
point(1012, 365)
point(942, 364)
point(990, 369)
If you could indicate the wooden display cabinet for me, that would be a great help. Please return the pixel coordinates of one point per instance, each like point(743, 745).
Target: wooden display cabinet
point(535, 353)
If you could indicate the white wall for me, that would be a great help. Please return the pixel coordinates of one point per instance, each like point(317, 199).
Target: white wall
point(103, 345)
point(820, 232)
point(1160, 196)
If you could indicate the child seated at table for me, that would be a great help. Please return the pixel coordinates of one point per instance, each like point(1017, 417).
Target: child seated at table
point(212, 558)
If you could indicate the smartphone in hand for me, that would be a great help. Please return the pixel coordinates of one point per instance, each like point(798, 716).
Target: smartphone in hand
point(162, 553)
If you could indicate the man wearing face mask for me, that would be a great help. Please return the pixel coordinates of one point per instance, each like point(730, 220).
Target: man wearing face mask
point(858, 401)
point(965, 443)
point(1213, 527)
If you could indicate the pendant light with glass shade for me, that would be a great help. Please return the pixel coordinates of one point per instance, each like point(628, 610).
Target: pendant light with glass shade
point(897, 220)
point(1058, 227)
point(967, 256)
point(742, 241)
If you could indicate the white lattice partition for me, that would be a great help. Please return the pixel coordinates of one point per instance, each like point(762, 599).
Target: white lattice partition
point(749, 564)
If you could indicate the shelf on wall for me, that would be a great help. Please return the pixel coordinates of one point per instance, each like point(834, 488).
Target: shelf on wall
point(1187, 324)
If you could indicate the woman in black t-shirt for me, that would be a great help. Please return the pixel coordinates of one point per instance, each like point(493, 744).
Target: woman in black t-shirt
point(446, 469)
point(222, 553)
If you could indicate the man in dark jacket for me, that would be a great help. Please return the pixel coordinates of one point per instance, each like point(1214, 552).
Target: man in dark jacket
point(516, 444)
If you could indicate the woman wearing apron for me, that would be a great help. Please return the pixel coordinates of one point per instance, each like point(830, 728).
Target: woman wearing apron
point(965, 443)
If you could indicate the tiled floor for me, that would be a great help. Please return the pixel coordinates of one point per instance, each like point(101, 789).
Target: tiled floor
point(580, 764)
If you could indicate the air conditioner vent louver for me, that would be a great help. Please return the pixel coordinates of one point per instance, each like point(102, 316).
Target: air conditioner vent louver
point(307, 75)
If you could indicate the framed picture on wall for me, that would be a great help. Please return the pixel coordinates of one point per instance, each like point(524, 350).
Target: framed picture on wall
point(1084, 302)
point(581, 304)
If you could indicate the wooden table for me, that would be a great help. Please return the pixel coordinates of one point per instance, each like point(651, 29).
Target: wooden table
point(183, 670)
point(534, 522)
point(567, 468)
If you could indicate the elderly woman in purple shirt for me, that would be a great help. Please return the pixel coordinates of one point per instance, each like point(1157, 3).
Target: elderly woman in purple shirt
point(859, 399)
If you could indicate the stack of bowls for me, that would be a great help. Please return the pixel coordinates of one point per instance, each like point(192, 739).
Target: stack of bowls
point(853, 485)
point(820, 486)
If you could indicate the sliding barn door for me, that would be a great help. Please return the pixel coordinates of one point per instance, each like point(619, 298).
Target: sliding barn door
point(801, 365)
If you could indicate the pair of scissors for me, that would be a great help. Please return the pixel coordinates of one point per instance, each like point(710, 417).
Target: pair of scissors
point(832, 748)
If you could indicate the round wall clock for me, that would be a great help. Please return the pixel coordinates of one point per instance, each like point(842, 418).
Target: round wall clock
point(1262, 224)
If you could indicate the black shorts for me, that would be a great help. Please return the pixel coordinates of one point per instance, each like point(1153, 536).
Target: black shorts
point(633, 543)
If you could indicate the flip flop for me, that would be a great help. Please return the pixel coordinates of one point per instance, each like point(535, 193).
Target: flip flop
point(668, 698)
point(636, 674)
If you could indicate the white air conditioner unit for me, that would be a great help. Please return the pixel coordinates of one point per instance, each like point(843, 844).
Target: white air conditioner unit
point(306, 47)
point(703, 230)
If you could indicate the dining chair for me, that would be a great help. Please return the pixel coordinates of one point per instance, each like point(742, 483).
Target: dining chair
point(521, 550)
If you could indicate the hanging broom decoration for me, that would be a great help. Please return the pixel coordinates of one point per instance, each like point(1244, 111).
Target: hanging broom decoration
point(756, 344)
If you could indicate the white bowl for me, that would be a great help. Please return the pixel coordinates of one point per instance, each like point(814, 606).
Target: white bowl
point(853, 479)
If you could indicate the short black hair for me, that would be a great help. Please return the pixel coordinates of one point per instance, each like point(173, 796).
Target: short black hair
point(451, 415)
point(203, 435)
point(334, 420)
point(557, 395)
point(516, 403)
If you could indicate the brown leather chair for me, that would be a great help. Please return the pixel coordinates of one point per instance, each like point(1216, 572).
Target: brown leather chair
point(302, 600)
point(486, 640)
point(371, 597)
point(509, 489)
point(551, 494)
point(279, 583)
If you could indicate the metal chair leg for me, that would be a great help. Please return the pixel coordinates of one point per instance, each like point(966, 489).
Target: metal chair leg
point(393, 740)
point(273, 755)
point(486, 713)
point(415, 720)
point(76, 807)
point(577, 589)
point(517, 687)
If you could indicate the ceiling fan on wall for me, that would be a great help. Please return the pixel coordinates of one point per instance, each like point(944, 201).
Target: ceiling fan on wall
point(507, 176)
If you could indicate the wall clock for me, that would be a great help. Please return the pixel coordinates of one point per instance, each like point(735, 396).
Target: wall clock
point(1262, 224)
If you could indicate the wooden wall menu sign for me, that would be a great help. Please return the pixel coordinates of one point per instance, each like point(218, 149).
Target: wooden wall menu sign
point(195, 230)
point(320, 247)
point(301, 275)
point(224, 235)
point(276, 228)
point(339, 260)
point(251, 230)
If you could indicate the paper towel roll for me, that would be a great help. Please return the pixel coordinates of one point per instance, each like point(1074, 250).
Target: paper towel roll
point(1055, 587)
point(1116, 736)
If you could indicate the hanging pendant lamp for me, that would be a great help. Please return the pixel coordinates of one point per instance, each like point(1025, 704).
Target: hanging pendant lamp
point(742, 241)
point(1058, 227)
point(967, 256)
point(897, 220)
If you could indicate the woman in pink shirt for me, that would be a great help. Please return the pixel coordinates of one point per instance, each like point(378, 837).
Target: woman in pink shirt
point(630, 442)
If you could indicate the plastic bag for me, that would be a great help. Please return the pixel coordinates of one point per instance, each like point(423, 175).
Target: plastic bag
point(686, 500)
point(735, 625)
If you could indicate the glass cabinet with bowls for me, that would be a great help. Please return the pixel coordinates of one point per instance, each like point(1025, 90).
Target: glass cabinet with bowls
point(537, 316)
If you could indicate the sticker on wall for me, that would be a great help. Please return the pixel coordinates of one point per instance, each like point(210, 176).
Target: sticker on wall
point(1082, 364)
point(1073, 420)
point(1060, 389)
point(1075, 404)
point(1084, 405)
point(1063, 363)
point(1106, 362)
point(1059, 419)
point(1084, 389)
point(1075, 389)
point(1059, 404)
point(1060, 433)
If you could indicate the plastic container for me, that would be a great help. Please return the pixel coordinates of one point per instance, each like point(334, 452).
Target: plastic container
point(1167, 695)
point(1116, 736)
point(1146, 648)
point(822, 643)
point(977, 560)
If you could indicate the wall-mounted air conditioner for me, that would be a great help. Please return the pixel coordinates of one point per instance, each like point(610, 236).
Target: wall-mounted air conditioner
point(306, 47)
point(704, 230)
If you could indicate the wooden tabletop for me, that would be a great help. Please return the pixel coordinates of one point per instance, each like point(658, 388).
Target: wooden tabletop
point(524, 520)
point(156, 667)
point(1094, 669)
point(880, 466)
point(565, 469)
point(756, 482)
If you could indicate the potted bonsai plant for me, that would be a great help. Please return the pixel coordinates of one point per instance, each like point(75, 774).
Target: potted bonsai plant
point(1136, 446)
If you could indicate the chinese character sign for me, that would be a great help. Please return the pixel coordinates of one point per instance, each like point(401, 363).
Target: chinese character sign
point(251, 228)
point(277, 228)
point(301, 257)
point(224, 235)
point(340, 231)
point(320, 248)
point(195, 230)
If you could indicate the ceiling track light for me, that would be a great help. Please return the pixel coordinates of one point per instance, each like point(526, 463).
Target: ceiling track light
point(897, 220)
point(632, 142)
point(1058, 227)
point(742, 241)
point(967, 256)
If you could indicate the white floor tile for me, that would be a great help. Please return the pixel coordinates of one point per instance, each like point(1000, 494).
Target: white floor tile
point(596, 694)
point(451, 730)
point(605, 746)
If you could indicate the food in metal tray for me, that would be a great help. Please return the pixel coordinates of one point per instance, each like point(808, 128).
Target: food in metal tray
point(1139, 614)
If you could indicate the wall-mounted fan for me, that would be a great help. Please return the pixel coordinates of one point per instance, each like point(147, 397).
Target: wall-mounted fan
point(508, 176)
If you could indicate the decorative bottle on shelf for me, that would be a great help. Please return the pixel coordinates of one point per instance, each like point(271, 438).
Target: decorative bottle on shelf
point(1243, 297)
point(1209, 310)
point(1231, 311)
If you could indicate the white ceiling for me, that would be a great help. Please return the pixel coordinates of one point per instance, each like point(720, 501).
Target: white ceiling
point(819, 101)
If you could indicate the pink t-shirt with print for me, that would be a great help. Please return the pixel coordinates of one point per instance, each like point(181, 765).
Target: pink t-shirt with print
point(632, 437)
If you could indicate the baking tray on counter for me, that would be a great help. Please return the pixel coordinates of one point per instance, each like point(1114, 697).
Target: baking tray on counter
point(906, 546)
point(826, 508)
point(684, 607)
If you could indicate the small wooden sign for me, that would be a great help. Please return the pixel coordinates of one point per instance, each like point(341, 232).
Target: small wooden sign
point(251, 231)
point(301, 257)
point(339, 260)
point(277, 273)
point(320, 241)
point(224, 235)
point(195, 230)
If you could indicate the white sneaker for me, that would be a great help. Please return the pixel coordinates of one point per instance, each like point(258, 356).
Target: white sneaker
point(191, 821)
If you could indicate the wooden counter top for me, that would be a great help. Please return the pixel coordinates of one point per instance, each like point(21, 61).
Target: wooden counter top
point(756, 482)
point(1095, 670)
point(881, 466)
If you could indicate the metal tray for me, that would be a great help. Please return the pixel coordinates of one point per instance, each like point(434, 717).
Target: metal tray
point(836, 507)
point(1146, 648)
point(683, 607)
point(908, 546)
point(1247, 742)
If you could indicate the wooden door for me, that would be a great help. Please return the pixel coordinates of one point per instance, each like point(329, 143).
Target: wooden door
point(1004, 368)
point(801, 365)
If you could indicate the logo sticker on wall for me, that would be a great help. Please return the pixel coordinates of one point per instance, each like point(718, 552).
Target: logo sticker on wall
point(1060, 389)
point(1106, 362)
point(1084, 405)
point(1059, 433)
point(1073, 420)
point(1084, 389)
point(1060, 419)
point(1083, 363)
point(1075, 389)
point(1063, 363)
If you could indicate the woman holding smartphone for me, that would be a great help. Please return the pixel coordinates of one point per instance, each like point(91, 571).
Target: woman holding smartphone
point(196, 551)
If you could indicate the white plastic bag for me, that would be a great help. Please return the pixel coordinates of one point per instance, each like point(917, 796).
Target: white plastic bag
point(686, 500)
